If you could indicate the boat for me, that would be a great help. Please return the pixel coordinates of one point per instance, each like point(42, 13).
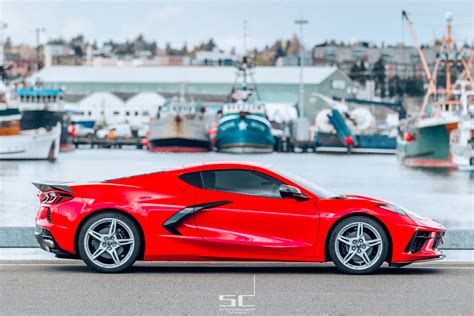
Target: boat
point(462, 139)
point(244, 127)
point(180, 126)
point(359, 126)
point(44, 108)
point(17, 143)
point(424, 138)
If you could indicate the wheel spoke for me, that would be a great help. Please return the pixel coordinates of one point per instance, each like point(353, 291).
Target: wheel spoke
point(360, 230)
point(114, 255)
point(98, 253)
point(364, 256)
point(96, 235)
point(373, 242)
point(345, 240)
point(349, 256)
point(123, 242)
point(113, 227)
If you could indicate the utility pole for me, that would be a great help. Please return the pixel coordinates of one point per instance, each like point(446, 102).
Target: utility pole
point(38, 31)
point(301, 22)
point(3, 26)
point(245, 37)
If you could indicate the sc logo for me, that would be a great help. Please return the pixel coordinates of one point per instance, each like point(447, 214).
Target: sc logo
point(237, 300)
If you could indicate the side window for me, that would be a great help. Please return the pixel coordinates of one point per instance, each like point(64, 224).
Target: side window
point(192, 178)
point(242, 182)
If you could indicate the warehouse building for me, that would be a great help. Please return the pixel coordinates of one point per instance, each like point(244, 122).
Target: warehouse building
point(275, 84)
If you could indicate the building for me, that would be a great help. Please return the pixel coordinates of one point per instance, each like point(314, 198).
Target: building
point(275, 84)
point(105, 107)
point(399, 59)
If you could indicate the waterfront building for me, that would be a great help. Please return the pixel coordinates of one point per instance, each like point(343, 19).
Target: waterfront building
point(275, 84)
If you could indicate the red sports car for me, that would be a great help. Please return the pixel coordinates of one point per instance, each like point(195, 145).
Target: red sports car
point(227, 211)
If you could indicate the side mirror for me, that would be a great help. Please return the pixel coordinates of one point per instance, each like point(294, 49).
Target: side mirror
point(289, 191)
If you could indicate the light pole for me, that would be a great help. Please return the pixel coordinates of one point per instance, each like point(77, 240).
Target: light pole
point(3, 26)
point(301, 22)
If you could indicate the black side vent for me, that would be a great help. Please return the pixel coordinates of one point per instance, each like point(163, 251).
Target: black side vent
point(438, 240)
point(417, 242)
point(48, 215)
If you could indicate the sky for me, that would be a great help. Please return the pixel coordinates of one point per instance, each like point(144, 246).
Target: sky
point(192, 22)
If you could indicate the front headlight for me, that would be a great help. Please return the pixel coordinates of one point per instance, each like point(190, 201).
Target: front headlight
point(399, 210)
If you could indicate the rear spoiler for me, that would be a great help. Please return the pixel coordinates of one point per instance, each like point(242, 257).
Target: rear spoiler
point(60, 186)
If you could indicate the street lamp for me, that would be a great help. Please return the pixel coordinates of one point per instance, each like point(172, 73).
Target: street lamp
point(301, 22)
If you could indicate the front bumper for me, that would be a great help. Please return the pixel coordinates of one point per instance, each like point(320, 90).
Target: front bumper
point(419, 242)
point(46, 242)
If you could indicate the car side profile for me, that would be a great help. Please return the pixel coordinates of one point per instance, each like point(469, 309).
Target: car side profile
point(227, 211)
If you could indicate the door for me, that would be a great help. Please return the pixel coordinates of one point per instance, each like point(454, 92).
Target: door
point(252, 216)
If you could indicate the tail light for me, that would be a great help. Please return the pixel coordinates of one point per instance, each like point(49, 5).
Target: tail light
point(54, 197)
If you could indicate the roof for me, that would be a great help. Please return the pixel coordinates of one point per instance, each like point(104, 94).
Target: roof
point(146, 98)
point(178, 74)
point(102, 99)
point(224, 165)
point(38, 92)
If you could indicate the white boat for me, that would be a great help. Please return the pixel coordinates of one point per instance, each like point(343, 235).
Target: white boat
point(462, 138)
point(16, 144)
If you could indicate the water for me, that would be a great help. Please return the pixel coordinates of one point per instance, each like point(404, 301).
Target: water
point(445, 196)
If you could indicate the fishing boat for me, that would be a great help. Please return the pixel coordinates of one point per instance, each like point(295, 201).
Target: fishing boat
point(44, 108)
point(424, 138)
point(180, 126)
point(244, 127)
point(359, 126)
point(17, 143)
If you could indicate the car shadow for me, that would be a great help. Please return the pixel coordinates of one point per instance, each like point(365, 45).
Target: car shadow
point(325, 269)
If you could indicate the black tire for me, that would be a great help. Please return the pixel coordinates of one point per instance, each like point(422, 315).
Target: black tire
point(366, 221)
point(123, 220)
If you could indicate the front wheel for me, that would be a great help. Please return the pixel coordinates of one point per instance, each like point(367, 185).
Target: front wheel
point(358, 245)
point(109, 242)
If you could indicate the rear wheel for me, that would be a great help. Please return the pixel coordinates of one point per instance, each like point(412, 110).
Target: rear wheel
point(358, 245)
point(109, 242)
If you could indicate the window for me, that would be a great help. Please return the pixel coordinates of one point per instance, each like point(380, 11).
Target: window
point(242, 182)
point(193, 178)
point(116, 113)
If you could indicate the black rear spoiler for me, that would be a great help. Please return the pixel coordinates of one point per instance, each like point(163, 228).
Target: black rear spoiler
point(60, 186)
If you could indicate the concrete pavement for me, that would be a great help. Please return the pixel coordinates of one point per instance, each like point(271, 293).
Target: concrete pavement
point(69, 287)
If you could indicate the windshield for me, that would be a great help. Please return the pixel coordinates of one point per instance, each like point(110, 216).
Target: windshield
point(308, 185)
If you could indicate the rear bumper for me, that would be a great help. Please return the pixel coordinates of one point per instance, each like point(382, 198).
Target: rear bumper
point(46, 242)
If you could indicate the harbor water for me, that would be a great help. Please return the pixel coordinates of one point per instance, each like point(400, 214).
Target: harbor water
point(447, 196)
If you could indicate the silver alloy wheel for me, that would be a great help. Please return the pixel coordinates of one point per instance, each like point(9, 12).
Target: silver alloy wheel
point(358, 246)
point(109, 243)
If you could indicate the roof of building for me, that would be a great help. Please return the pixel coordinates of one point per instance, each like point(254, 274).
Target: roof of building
point(179, 74)
point(146, 98)
point(101, 99)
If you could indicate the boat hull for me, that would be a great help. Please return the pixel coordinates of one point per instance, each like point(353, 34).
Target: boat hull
point(428, 148)
point(244, 134)
point(35, 119)
point(31, 145)
point(179, 134)
point(364, 141)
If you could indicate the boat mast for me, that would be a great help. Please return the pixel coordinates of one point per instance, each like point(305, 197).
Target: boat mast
point(449, 18)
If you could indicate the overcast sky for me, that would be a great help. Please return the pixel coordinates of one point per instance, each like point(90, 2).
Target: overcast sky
point(195, 21)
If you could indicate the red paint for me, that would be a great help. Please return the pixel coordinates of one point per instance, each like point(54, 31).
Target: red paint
point(178, 149)
point(248, 228)
point(429, 163)
point(408, 137)
point(349, 141)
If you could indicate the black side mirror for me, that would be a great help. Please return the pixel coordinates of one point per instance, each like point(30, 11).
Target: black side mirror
point(289, 191)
